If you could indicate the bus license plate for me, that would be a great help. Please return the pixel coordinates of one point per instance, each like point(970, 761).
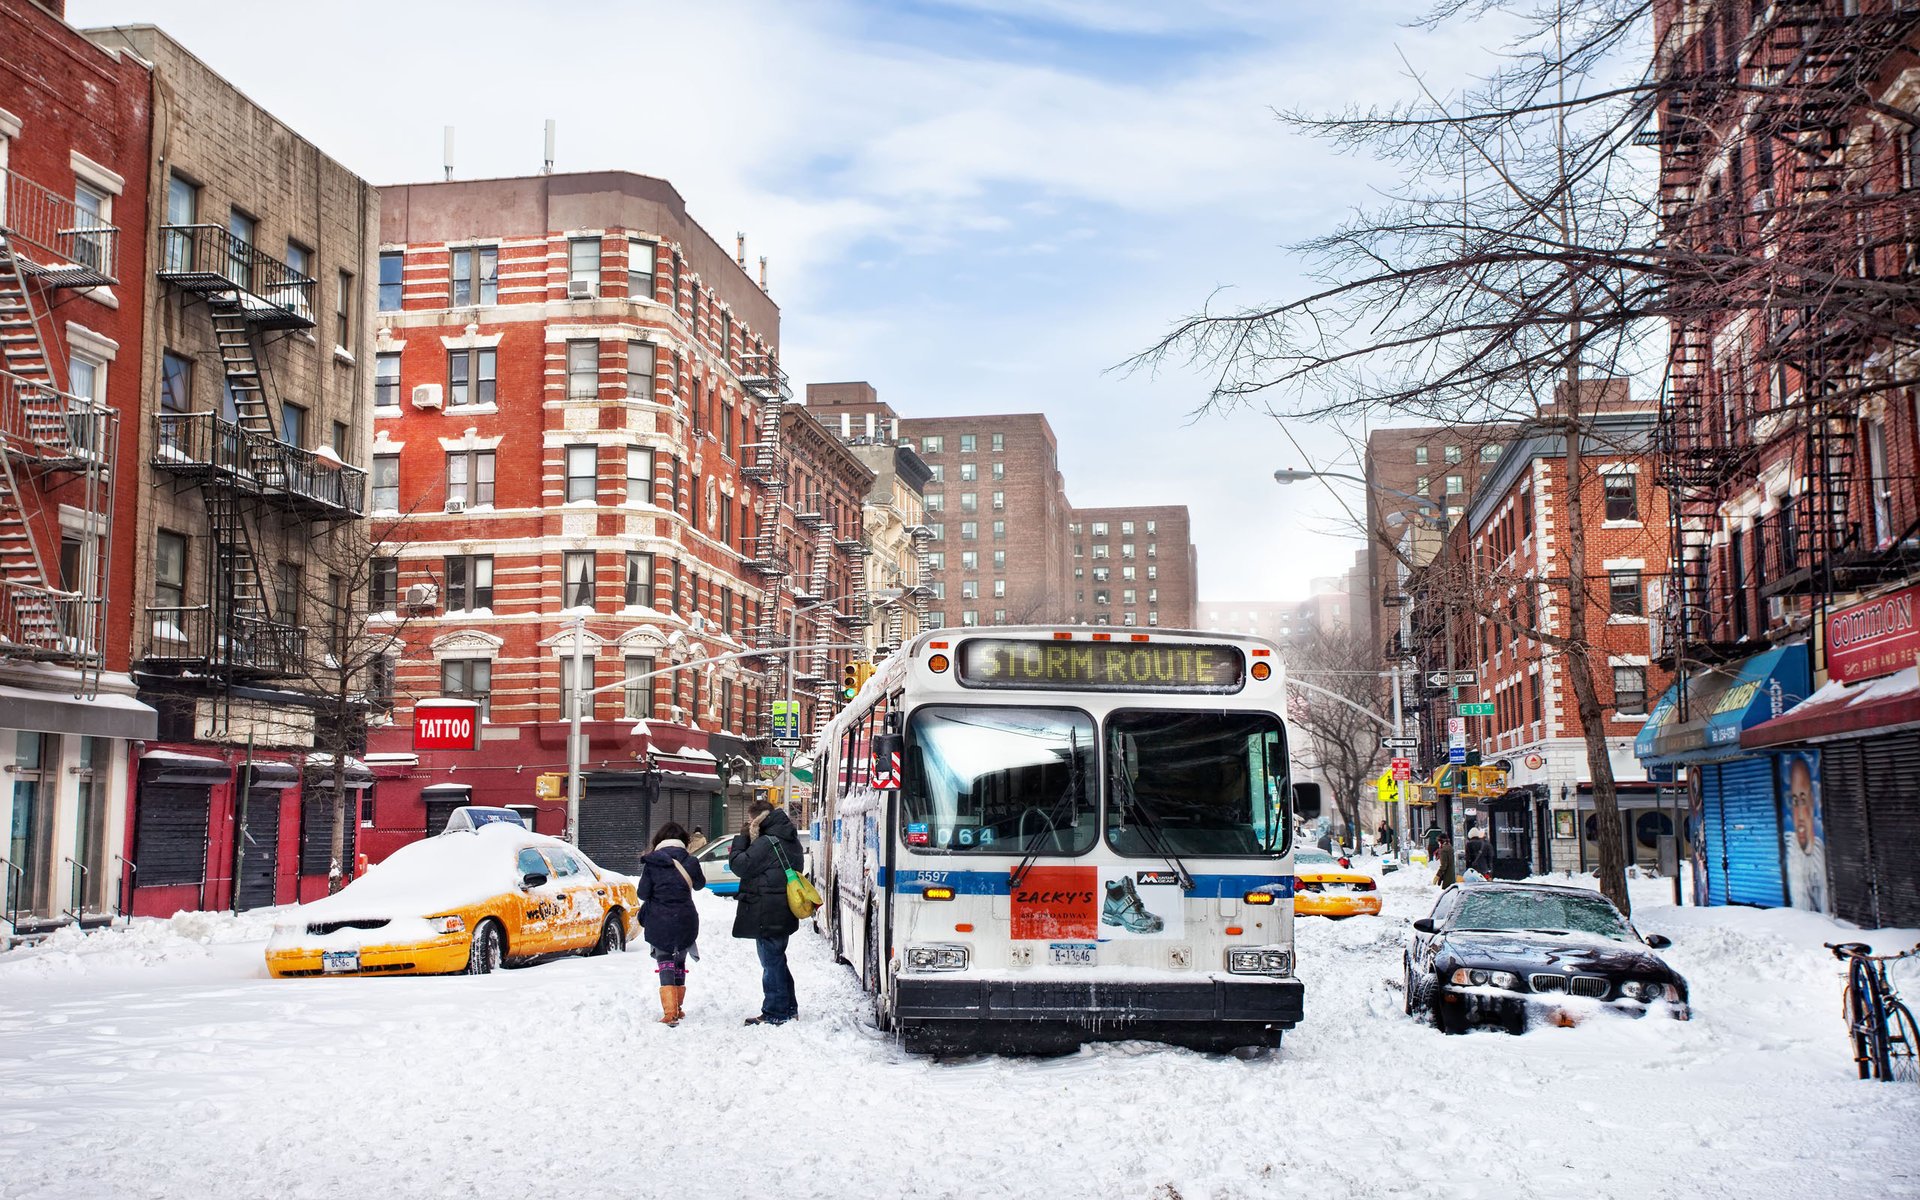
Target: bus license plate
point(339, 962)
point(1071, 954)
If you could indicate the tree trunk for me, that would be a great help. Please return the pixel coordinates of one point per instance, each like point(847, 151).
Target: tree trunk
point(1579, 666)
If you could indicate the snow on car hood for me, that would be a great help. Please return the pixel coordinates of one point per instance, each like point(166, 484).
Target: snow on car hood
point(431, 876)
point(1570, 951)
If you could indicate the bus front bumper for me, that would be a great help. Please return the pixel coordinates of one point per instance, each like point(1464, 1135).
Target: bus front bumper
point(1278, 1003)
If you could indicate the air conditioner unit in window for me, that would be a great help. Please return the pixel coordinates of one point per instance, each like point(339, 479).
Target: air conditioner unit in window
point(456, 504)
point(426, 395)
point(580, 289)
point(423, 595)
point(1763, 201)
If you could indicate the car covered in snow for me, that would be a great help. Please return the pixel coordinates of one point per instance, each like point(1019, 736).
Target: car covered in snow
point(1512, 954)
point(1325, 886)
point(468, 901)
point(721, 880)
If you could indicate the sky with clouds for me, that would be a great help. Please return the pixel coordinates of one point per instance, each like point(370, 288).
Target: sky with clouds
point(976, 205)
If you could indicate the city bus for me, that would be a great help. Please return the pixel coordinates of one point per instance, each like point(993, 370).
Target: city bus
point(1030, 837)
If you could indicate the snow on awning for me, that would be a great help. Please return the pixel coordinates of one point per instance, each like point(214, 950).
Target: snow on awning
point(684, 781)
point(1843, 710)
point(271, 773)
point(446, 791)
point(171, 766)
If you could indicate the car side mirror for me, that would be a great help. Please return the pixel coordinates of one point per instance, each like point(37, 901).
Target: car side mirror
point(1659, 941)
point(532, 879)
point(1425, 925)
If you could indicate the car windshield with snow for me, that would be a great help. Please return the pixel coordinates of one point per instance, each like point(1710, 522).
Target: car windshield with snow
point(1515, 954)
point(468, 901)
point(1084, 838)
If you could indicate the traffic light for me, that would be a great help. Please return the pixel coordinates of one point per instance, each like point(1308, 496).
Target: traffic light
point(849, 681)
point(863, 671)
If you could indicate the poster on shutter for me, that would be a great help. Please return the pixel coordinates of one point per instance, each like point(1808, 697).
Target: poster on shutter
point(1804, 841)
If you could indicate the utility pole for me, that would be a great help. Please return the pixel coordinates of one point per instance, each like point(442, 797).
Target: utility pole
point(1399, 823)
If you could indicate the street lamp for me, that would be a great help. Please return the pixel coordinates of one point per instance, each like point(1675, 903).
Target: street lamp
point(1295, 475)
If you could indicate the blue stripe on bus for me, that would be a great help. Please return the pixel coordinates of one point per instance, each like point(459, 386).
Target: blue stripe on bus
point(996, 883)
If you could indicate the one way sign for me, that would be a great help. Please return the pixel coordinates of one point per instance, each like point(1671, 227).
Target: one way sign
point(1442, 679)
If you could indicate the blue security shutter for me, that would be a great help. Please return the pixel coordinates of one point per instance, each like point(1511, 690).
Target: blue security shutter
point(1743, 827)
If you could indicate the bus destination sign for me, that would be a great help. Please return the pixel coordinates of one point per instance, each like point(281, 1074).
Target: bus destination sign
point(1101, 666)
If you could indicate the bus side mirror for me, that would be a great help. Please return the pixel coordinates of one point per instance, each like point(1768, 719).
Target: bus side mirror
point(1306, 800)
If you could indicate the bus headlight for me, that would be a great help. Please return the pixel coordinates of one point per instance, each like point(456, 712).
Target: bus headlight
point(1259, 960)
point(936, 958)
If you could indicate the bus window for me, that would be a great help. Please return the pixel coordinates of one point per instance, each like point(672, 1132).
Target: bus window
point(999, 781)
point(1199, 783)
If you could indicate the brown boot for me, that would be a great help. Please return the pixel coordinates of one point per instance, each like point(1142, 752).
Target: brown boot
point(680, 1002)
point(669, 1011)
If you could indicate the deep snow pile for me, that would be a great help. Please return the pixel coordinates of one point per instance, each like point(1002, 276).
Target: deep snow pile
point(187, 1073)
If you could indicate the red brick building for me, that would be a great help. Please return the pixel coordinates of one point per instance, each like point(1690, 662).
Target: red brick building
point(582, 422)
point(1134, 565)
point(1503, 568)
point(74, 126)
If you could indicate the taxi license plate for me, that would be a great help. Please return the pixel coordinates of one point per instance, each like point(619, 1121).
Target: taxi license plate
point(1071, 954)
point(339, 962)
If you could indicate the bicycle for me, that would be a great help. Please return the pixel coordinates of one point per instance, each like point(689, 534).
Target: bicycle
point(1886, 1042)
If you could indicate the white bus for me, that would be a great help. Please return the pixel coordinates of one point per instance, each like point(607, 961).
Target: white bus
point(1087, 836)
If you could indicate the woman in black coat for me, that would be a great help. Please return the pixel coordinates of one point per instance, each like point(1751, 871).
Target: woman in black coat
point(762, 853)
point(668, 919)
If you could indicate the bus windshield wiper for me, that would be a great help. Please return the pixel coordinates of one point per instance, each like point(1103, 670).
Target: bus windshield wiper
point(1151, 831)
point(1068, 799)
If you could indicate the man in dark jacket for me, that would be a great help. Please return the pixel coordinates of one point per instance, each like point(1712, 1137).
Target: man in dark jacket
point(762, 852)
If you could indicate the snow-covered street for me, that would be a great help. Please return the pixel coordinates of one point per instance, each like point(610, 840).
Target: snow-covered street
point(160, 1061)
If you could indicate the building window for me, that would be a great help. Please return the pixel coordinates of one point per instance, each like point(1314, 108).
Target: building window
point(999, 531)
point(933, 443)
point(176, 383)
point(969, 560)
point(1126, 573)
point(969, 530)
point(1152, 528)
point(583, 370)
point(939, 474)
point(469, 582)
point(169, 581)
point(470, 377)
point(1421, 484)
point(999, 560)
point(966, 443)
point(639, 579)
point(639, 689)
point(1623, 497)
point(968, 472)
point(583, 266)
point(468, 679)
point(1099, 529)
point(999, 501)
point(1102, 574)
point(183, 208)
point(576, 586)
point(1452, 454)
point(1630, 690)
point(1456, 485)
point(938, 530)
point(470, 477)
point(939, 587)
point(1153, 572)
point(1100, 550)
point(300, 263)
point(583, 473)
point(383, 584)
point(935, 502)
point(640, 370)
point(567, 686)
point(343, 312)
point(1490, 452)
point(999, 442)
point(386, 380)
point(1126, 551)
point(1153, 617)
point(969, 502)
point(293, 423)
point(240, 233)
point(969, 617)
point(393, 265)
point(999, 470)
point(476, 275)
point(386, 483)
point(1126, 529)
point(1879, 485)
point(969, 589)
point(1419, 456)
point(1127, 596)
point(639, 475)
point(1623, 594)
point(1103, 597)
point(999, 589)
point(1127, 619)
point(640, 260)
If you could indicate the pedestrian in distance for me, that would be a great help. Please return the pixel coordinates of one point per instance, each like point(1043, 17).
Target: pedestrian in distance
point(1433, 842)
point(669, 876)
point(766, 847)
point(698, 841)
point(1479, 853)
point(1444, 874)
point(1384, 838)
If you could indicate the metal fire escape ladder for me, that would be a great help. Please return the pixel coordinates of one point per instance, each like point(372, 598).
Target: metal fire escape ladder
point(822, 626)
point(767, 471)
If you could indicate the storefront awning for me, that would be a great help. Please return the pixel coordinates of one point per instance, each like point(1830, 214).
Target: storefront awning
point(104, 715)
point(1841, 710)
point(170, 766)
point(446, 791)
point(1720, 703)
point(270, 773)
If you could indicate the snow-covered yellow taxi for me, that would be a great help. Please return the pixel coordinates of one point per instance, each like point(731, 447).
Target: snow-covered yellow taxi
point(1324, 887)
point(468, 901)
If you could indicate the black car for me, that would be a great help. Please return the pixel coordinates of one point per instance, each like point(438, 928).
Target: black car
point(1507, 953)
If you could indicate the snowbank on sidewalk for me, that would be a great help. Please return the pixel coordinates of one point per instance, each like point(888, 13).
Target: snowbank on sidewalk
point(185, 937)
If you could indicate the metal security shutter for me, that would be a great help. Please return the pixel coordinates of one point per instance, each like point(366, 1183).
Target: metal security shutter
point(1744, 820)
point(678, 804)
point(316, 831)
point(439, 810)
point(614, 824)
point(1843, 808)
point(170, 834)
point(1893, 828)
point(259, 850)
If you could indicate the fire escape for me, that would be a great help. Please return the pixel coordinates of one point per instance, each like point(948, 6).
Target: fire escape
point(246, 474)
point(767, 469)
point(57, 449)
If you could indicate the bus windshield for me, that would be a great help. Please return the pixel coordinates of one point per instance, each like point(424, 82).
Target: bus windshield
point(999, 780)
point(1199, 783)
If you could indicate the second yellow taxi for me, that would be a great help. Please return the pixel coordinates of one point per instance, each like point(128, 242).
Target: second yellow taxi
point(1323, 887)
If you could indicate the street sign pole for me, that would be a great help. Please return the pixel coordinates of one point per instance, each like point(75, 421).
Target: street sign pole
point(1398, 818)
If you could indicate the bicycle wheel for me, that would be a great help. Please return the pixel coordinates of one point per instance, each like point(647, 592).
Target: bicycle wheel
point(1865, 1020)
point(1903, 1045)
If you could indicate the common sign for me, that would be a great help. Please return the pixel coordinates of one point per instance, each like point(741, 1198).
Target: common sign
point(1877, 637)
point(446, 725)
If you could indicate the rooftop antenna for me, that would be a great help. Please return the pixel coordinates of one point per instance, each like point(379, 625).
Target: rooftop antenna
point(446, 153)
point(763, 272)
point(547, 169)
point(740, 250)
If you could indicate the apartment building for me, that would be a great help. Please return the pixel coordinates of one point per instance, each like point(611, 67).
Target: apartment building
point(1134, 565)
